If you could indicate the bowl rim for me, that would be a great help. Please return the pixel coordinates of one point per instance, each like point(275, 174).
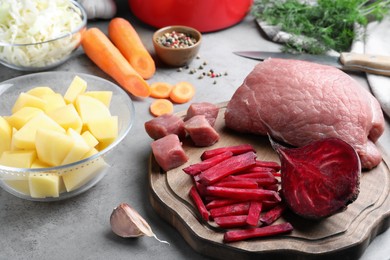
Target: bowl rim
point(82, 25)
point(130, 105)
point(168, 28)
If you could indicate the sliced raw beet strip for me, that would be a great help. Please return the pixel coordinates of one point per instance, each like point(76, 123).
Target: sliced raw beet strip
point(274, 187)
point(319, 179)
point(273, 214)
point(268, 204)
point(235, 149)
point(216, 203)
point(257, 169)
point(227, 167)
point(199, 203)
point(196, 168)
point(265, 182)
point(230, 210)
point(254, 213)
point(255, 175)
point(261, 182)
point(242, 194)
point(231, 221)
point(238, 235)
point(268, 164)
point(244, 184)
point(201, 189)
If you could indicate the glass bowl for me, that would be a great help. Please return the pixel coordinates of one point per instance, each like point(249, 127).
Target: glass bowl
point(90, 170)
point(31, 53)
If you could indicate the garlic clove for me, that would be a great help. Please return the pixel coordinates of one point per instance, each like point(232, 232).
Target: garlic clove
point(102, 9)
point(127, 222)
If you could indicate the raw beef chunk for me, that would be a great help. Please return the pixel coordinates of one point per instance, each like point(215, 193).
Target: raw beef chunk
point(200, 131)
point(168, 152)
point(164, 125)
point(299, 102)
point(203, 108)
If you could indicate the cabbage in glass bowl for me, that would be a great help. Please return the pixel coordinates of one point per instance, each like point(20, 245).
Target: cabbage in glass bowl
point(39, 35)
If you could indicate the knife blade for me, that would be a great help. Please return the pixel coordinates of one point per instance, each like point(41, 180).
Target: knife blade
point(348, 61)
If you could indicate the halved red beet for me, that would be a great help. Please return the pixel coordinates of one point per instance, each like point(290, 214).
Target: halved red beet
point(319, 179)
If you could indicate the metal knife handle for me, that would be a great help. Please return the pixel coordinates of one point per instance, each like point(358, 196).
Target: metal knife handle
point(375, 64)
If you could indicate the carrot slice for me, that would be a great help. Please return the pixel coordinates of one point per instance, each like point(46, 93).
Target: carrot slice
point(160, 107)
point(127, 40)
point(160, 89)
point(182, 92)
point(107, 57)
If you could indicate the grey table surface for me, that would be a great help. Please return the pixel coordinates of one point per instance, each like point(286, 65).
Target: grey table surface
point(78, 228)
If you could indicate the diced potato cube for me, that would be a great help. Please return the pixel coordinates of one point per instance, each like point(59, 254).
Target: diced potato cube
point(13, 147)
point(78, 177)
point(105, 130)
point(18, 159)
point(53, 101)
point(79, 148)
point(90, 139)
point(22, 116)
point(52, 146)
point(40, 91)
point(21, 186)
point(76, 87)
point(38, 164)
point(67, 117)
point(90, 109)
point(5, 135)
point(25, 137)
point(62, 187)
point(43, 185)
point(27, 100)
point(103, 96)
point(91, 152)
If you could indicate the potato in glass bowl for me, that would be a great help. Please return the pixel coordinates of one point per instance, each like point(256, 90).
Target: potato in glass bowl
point(58, 133)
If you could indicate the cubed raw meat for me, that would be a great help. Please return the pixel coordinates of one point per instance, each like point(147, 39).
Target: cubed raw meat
point(203, 108)
point(164, 125)
point(169, 152)
point(200, 131)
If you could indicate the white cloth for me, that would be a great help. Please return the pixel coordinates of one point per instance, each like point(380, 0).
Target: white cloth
point(378, 42)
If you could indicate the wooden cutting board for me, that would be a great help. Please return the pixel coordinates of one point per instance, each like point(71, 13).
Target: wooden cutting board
point(342, 236)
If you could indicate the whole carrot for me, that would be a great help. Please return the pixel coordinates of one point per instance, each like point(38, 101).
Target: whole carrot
point(107, 57)
point(127, 40)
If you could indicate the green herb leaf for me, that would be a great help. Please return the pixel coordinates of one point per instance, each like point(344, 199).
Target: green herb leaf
point(328, 24)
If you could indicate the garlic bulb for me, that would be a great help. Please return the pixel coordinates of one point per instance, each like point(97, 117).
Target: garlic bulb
point(102, 9)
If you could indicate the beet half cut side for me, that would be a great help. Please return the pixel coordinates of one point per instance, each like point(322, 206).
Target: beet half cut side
point(319, 179)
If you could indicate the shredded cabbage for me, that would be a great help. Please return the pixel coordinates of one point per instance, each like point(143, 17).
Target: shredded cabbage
point(38, 21)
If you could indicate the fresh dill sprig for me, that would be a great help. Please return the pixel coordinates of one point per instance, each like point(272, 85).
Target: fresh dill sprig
point(328, 23)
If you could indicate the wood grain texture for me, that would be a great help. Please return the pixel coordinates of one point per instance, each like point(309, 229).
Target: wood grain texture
point(342, 236)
